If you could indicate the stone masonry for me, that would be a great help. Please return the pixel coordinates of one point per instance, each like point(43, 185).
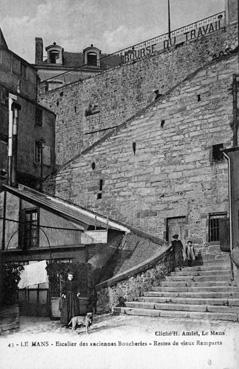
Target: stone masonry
point(160, 164)
point(131, 287)
point(119, 93)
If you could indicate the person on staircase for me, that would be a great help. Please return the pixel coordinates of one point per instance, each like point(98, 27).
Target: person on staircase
point(178, 251)
point(190, 253)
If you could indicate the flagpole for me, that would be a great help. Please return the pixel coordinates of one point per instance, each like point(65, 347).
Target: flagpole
point(169, 23)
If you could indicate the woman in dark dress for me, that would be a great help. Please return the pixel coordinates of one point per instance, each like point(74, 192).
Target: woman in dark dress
point(69, 300)
point(178, 251)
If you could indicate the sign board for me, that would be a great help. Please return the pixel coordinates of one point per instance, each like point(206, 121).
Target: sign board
point(91, 237)
point(179, 36)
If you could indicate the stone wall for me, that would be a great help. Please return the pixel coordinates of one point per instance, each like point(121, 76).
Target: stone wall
point(134, 282)
point(160, 164)
point(117, 94)
point(17, 75)
point(28, 133)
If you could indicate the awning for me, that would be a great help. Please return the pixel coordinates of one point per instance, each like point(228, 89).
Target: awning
point(64, 209)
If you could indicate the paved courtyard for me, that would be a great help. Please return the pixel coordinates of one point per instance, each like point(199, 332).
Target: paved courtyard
point(122, 342)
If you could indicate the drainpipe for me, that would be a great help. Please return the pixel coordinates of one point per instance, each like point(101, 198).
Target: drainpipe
point(42, 142)
point(235, 112)
point(230, 211)
point(11, 99)
point(13, 110)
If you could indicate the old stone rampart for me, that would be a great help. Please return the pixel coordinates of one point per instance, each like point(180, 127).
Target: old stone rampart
point(160, 164)
point(117, 94)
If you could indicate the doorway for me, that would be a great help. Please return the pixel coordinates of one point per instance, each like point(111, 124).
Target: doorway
point(176, 225)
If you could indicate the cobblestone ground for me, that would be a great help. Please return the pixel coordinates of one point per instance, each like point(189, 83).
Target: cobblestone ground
point(120, 342)
point(131, 324)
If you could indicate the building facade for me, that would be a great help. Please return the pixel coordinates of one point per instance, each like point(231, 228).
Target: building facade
point(59, 67)
point(32, 156)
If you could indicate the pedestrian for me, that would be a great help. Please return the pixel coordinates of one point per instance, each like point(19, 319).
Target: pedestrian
point(190, 253)
point(69, 299)
point(178, 251)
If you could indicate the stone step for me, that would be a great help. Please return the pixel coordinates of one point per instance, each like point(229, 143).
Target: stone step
point(199, 278)
point(210, 260)
point(199, 274)
point(209, 273)
point(197, 294)
point(212, 252)
point(210, 249)
point(203, 267)
point(192, 300)
point(215, 262)
point(183, 307)
point(192, 283)
point(176, 314)
point(218, 257)
point(195, 289)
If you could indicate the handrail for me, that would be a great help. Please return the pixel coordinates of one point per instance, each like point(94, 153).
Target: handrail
point(150, 262)
point(158, 43)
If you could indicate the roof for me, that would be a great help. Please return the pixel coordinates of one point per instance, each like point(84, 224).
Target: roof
point(74, 213)
point(76, 60)
point(3, 43)
point(73, 59)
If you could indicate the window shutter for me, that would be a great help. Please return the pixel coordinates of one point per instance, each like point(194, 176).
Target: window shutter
point(22, 219)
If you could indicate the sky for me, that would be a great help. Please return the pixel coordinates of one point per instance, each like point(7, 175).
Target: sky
point(108, 24)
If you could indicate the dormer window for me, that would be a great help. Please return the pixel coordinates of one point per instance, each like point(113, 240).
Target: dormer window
point(92, 56)
point(54, 54)
point(92, 59)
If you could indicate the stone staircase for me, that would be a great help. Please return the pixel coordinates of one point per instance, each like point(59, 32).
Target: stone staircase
point(203, 291)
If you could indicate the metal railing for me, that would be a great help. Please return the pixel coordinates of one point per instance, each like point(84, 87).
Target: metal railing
point(204, 27)
point(161, 43)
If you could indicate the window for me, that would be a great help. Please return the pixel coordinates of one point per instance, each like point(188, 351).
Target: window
point(217, 154)
point(38, 152)
point(29, 230)
point(38, 117)
point(215, 223)
point(53, 56)
point(23, 71)
point(99, 194)
point(92, 59)
point(4, 96)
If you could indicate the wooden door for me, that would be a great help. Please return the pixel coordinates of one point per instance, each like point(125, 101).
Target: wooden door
point(224, 234)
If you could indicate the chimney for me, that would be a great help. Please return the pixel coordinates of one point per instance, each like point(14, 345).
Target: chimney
point(38, 50)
